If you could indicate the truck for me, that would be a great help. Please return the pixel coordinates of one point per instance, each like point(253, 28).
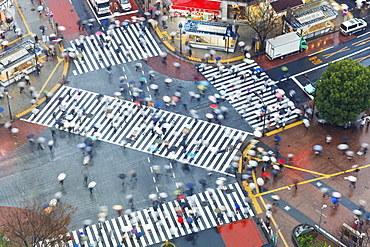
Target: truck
point(101, 6)
point(285, 44)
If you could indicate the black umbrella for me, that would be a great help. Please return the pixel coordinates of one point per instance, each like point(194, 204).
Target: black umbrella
point(282, 111)
point(88, 141)
point(122, 176)
point(173, 149)
point(229, 191)
point(42, 27)
point(202, 181)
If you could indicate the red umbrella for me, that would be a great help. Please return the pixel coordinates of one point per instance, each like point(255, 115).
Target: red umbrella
point(176, 99)
point(265, 175)
point(180, 220)
point(282, 161)
point(137, 102)
point(214, 106)
point(180, 197)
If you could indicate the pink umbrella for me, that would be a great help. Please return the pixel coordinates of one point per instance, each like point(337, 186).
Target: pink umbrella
point(212, 98)
point(336, 194)
point(279, 95)
point(176, 99)
point(99, 33)
point(151, 8)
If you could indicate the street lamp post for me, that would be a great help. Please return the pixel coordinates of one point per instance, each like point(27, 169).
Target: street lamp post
point(6, 91)
point(180, 27)
point(322, 208)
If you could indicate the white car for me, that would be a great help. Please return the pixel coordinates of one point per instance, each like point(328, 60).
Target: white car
point(352, 26)
point(126, 5)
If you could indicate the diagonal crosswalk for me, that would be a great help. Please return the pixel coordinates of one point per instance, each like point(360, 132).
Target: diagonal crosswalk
point(156, 224)
point(119, 45)
point(120, 122)
point(250, 94)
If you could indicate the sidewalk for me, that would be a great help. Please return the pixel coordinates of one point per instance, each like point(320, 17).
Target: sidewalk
point(29, 21)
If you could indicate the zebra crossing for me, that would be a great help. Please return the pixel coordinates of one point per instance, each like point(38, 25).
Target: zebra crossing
point(119, 45)
point(250, 94)
point(196, 142)
point(156, 224)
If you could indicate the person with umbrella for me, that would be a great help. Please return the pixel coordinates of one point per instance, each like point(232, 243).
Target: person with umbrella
point(122, 177)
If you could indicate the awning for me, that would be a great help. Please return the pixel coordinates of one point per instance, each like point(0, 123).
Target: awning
point(196, 5)
point(281, 5)
point(14, 57)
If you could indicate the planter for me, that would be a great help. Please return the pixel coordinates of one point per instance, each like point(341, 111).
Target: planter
point(169, 245)
point(308, 236)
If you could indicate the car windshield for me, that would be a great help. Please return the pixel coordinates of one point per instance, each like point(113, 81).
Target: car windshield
point(343, 27)
point(103, 5)
point(125, 1)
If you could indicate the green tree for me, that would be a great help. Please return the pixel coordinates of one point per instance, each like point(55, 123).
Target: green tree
point(343, 91)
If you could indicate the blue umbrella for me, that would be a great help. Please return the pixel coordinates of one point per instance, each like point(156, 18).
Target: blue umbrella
point(258, 69)
point(142, 95)
point(125, 23)
point(189, 220)
point(189, 185)
point(105, 21)
point(139, 234)
point(88, 149)
point(249, 172)
point(1, 109)
point(265, 165)
point(204, 83)
point(159, 103)
point(317, 148)
point(192, 155)
point(81, 145)
point(334, 199)
point(30, 136)
point(142, 78)
point(155, 119)
point(218, 58)
point(153, 147)
point(132, 82)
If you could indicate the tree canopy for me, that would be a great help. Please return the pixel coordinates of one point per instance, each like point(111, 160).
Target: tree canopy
point(36, 224)
point(343, 91)
point(263, 20)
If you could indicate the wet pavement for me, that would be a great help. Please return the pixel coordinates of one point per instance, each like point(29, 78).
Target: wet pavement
point(327, 169)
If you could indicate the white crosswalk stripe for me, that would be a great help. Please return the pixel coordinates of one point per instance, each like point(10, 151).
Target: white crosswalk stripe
point(94, 52)
point(216, 153)
point(248, 95)
point(156, 223)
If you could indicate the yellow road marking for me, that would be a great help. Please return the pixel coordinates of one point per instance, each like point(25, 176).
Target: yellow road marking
point(254, 201)
point(346, 48)
point(51, 74)
point(281, 129)
point(23, 19)
point(312, 180)
point(361, 58)
point(361, 42)
point(275, 224)
point(305, 170)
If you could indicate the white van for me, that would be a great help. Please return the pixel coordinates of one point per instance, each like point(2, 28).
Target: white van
point(352, 26)
point(126, 5)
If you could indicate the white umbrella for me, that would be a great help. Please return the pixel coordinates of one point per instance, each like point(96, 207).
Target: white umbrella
point(273, 159)
point(364, 145)
point(222, 178)
point(152, 196)
point(351, 178)
point(251, 152)
point(275, 197)
point(153, 86)
point(87, 222)
point(14, 130)
point(176, 64)
point(21, 84)
point(61, 176)
point(252, 186)
point(163, 54)
point(164, 18)
point(342, 146)
point(166, 98)
point(220, 182)
point(350, 153)
point(41, 140)
point(257, 133)
point(357, 212)
point(61, 28)
point(92, 184)
point(163, 195)
point(265, 158)
point(260, 181)
point(253, 163)
point(241, 43)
